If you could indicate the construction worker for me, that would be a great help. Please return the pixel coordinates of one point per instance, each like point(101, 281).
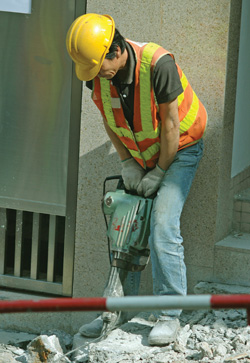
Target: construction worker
point(156, 123)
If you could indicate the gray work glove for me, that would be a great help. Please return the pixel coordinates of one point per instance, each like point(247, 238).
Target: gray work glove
point(132, 173)
point(151, 182)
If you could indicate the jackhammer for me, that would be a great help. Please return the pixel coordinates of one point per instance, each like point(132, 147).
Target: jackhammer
point(127, 232)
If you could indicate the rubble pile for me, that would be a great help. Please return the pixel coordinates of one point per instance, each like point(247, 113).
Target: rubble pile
point(205, 336)
point(51, 347)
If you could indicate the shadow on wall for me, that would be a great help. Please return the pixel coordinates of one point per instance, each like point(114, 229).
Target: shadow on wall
point(94, 167)
point(91, 246)
point(92, 260)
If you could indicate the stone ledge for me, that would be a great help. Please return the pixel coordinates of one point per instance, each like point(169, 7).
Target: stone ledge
point(243, 196)
point(34, 322)
point(13, 295)
point(238, 242)
point(217, 288)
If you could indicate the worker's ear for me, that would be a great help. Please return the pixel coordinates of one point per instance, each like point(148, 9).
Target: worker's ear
point(118, 52)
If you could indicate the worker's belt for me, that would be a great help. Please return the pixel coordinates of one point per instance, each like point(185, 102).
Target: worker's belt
point(127, 265)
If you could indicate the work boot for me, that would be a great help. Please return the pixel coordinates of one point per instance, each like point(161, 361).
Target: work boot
point(164, 332)
point(93, 329)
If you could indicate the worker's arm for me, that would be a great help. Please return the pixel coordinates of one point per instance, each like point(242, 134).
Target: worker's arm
point(169, 144)
point(170, 133)
point(132, 172)
point(120, 148)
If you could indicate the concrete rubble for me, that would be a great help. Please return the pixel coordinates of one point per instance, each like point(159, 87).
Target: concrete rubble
point(205, 336)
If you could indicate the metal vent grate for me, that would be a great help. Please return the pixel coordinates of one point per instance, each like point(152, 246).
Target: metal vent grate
point(31, 250)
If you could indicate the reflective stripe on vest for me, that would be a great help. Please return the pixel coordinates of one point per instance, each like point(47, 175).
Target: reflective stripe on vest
point(148, 131)
point(145, 91)
point(186, 120)
point(128, 138)
point(144, 142)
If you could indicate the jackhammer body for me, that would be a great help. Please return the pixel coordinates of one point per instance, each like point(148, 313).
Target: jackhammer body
point(127, 231)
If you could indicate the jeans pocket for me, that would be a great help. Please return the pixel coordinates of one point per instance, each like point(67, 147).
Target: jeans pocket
point(191, 153)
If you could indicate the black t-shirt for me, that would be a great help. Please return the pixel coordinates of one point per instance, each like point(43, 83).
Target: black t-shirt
point(166, 82)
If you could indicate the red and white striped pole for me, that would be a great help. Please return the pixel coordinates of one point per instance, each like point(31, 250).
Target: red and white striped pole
point(129, 303)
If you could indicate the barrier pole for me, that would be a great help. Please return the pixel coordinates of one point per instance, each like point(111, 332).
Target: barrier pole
point(129, 303)
point(230, 302)
point(53, 305)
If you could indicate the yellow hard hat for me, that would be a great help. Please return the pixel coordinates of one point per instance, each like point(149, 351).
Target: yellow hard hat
point(88, 41)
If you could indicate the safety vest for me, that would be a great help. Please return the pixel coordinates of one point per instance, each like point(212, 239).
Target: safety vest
point(143, 142)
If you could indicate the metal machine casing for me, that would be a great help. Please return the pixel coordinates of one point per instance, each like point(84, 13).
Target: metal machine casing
point(128, 228)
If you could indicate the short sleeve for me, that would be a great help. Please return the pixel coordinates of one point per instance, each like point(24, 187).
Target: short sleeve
point(166, 80)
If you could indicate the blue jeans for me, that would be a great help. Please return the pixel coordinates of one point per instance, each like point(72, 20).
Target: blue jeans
point(165, 241)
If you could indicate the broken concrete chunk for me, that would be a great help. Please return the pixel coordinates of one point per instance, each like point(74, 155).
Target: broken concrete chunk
point(234, 358)
point(65, 340)
point(9, 353)
point(205, 349)
point(220, 350)
point(46, 349)
point(7, 357)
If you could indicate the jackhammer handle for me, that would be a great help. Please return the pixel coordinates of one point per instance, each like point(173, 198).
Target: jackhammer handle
point(121, 186)
point(114, 177)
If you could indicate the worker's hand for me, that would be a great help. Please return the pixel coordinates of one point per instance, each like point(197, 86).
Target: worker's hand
point(132, 173)
point(151, 182)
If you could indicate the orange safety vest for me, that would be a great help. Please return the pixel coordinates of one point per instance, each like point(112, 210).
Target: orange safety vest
point(143, 142)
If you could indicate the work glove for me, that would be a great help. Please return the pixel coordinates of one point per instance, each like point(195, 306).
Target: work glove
point(151, 182)
point(132, 173)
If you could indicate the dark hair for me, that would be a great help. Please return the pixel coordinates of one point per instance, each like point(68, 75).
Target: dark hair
point(117, 41)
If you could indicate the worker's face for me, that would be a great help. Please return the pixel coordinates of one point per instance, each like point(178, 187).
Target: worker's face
point(110, 67)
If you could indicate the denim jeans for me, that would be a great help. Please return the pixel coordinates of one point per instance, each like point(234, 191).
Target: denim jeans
point(165, 241)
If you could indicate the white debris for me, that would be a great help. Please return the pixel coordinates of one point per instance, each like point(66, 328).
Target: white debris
point(46, 349)
point(213, 336)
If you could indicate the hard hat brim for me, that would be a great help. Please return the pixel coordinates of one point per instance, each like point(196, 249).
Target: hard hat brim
point(86, 73)
point(88, 41)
